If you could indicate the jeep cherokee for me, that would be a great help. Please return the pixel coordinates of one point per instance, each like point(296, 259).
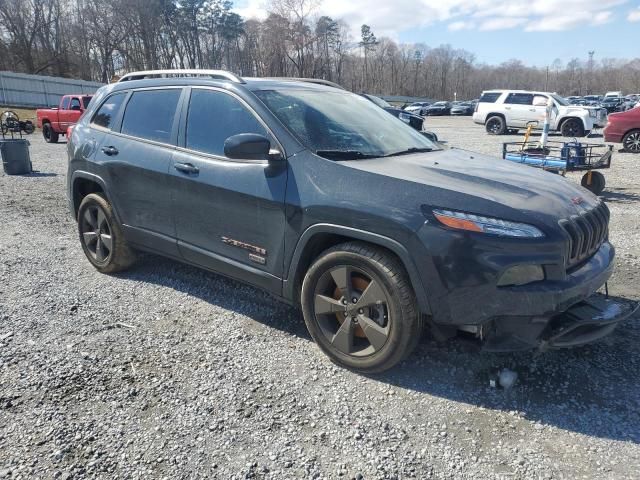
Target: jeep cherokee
point(324, 200)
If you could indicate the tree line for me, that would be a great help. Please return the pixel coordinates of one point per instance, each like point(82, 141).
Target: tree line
point(97, 39)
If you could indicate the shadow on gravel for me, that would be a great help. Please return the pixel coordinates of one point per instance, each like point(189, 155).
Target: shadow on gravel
point(592, 390)
point(35, 173)
point(619, 195)
point(220, 291)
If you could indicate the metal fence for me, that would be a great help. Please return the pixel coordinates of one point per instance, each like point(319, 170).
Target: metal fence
point(23, 90)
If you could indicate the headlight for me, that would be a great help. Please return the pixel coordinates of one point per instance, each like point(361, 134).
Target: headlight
point(493, 226)
point(405, 118)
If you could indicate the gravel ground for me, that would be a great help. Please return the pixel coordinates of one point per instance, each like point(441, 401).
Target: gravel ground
point(167, 371)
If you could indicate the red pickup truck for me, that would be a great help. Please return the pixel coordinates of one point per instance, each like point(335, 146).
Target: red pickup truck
point(55, 121)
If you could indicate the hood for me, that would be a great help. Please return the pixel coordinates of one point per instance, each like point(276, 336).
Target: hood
point(471, 182)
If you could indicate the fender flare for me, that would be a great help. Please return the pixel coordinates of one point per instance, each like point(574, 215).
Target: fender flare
point(81, 174)
point(356, 234)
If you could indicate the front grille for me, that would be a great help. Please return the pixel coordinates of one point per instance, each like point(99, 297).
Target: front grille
point(587, 232)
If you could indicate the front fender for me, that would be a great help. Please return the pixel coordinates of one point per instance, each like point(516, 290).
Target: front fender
point(289, 284)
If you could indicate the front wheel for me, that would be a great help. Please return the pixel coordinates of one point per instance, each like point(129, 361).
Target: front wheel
point(359, 307)
point(631, 142)
point(101, 236)
point(50, 136)
point(572, 127)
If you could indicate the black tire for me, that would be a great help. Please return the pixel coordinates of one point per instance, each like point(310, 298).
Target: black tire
point(96, 223)
point(28, 127)
point(377, 330)
point(631, 141)
point(572, 127)
point(496, 125)
point(49, 135)
point(597, 182)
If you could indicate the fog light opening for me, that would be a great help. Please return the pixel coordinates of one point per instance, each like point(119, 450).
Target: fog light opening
point(521, 275)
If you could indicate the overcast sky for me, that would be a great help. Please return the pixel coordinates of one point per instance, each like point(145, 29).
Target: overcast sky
point(534, 31)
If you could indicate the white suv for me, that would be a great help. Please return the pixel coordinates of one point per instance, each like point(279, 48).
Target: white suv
point(507, 110)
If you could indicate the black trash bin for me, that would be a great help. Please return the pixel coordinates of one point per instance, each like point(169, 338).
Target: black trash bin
point(15, 156)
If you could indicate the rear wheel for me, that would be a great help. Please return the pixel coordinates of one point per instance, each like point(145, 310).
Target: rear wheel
point(496, 125)
point(594, 182)
point(631, 142)
point(359, 307)
point(572, 127)
point(49, 135)
point(101, 236)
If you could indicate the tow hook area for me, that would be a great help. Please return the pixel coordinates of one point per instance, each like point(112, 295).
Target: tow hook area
point(586, 322)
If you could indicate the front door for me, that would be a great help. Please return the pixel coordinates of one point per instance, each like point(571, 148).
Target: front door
point(519, 109)
point(229, 214)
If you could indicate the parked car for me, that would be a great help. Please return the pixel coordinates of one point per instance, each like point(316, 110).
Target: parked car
point(56, 120)
point(503, 110)
point(464, 108)
point(418, 108)
point(624, 127)
point(612, 104)
point(314, 195)
point(439, 108)
point(592, 100)
point(416, 121)
point(574, 100)
point(613, 94)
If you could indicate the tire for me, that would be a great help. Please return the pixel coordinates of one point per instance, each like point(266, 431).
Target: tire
point(496, 125)
point(597, 182)
point(631, 141)
point(369, 332)
point(28, 127)
point(96, 223)
point(49, 135)
point(572, 127)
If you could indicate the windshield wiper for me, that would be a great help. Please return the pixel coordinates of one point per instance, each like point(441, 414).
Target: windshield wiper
point(410, 150)
point(345, 154)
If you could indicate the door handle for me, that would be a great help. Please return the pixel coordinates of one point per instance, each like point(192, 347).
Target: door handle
point(507, 108)
point(186, 168)
point(110, 150)
point(532, 109)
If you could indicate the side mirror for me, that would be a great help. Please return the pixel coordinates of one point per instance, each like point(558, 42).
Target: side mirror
point(250, 146)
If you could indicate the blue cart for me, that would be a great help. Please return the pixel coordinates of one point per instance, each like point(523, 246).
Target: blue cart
point(562, 157)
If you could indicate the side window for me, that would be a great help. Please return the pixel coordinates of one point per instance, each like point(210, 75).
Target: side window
point(149, 114)
point(215, 116)
point(489, 97)
point(107, 112)
point(75, 104)
point(65, 103)
point(519, 99)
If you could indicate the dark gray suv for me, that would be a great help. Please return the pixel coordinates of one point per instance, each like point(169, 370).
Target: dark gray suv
point(323, 199)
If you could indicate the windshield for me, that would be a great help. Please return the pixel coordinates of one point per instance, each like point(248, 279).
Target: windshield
point(335, 121)
point(560, 100)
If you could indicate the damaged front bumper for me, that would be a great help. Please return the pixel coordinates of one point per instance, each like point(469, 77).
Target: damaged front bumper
point(585, 322)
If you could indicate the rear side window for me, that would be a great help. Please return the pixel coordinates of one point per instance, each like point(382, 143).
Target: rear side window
point(215, 116)
point(490, 97)
point(106, 114)
point(149, 114)
point(519, 99)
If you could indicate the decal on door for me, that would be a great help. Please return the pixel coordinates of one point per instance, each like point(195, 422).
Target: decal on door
point(256, 254)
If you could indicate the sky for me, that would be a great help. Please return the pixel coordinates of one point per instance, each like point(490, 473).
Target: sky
point(534, 31)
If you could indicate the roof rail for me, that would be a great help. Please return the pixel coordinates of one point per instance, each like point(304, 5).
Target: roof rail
point(218, 74)
point(318, 81)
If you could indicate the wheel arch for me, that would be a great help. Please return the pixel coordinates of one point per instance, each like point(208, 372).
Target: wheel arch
point(562, 121)
point(318, 238)
point(84, 183)
point(495, 114)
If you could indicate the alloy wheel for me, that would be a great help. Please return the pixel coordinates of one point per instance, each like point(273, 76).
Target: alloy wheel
point(352, 310)
point(96, 234)
point(632, 142)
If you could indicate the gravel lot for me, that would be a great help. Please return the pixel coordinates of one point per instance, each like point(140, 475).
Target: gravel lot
point(167, 371)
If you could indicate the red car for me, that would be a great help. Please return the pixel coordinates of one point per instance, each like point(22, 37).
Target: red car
point(624, 127)
point(55, 121)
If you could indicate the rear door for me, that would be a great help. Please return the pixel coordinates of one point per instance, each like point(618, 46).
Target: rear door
point(519, 109)
point(134, 160)
point(229, 213)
